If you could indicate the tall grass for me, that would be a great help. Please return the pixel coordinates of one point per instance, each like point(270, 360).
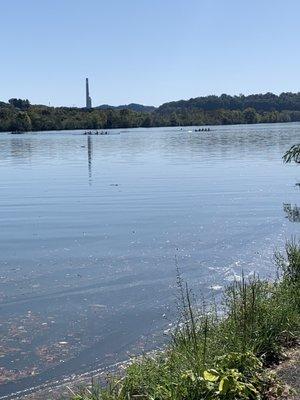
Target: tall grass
point(213, 357)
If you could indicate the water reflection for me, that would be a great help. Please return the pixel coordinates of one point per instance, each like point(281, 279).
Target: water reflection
point(221, 142)
point(21, 149)
point(292, 212)
point(90, 156)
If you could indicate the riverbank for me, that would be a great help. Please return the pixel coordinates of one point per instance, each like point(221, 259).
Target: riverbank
point(289, 372)
point(222, 354)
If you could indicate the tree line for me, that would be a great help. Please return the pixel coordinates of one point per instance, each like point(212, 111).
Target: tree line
point(20, 115)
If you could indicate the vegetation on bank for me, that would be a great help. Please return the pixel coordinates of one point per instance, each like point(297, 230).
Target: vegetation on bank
point(20, 115)
point(220, 354)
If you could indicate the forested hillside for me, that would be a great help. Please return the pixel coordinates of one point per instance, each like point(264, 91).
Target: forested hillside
point(20, 115)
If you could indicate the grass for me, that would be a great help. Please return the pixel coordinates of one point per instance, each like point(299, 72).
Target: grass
point(220, 355)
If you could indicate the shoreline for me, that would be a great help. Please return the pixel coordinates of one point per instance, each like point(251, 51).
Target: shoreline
point(60, 386)
point(146, 128)
point(66, 385)
point(288, 371)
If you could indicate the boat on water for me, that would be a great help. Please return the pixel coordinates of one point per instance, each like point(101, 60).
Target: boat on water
point(203, 130)
point(100, 133)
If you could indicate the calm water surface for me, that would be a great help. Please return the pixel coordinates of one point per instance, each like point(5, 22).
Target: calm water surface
point(91, 227)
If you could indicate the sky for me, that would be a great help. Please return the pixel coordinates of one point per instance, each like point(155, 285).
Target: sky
point(146, 51)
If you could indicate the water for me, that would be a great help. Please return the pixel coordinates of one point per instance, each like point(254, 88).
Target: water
point(91, 226)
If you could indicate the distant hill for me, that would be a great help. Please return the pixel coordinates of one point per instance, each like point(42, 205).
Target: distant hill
point(265, 102)
point(20, 115)
point(131, 106)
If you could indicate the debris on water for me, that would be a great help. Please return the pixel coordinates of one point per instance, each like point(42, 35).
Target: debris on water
point(98, 306)
point(216, 287)
point(7, 375)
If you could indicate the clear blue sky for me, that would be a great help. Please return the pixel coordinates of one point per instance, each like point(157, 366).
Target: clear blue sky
point(147, 51)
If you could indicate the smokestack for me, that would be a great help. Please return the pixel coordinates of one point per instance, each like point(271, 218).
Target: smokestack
point(88, 99)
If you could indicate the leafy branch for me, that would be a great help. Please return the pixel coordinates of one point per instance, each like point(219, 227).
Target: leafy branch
point(293, 154)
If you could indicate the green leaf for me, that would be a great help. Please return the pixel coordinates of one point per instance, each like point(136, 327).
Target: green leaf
point(211, 375)
point(251, 388)
point(224, 385)
point(189, 375)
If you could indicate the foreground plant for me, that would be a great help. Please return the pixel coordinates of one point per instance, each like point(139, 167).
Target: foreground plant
point(293, 154)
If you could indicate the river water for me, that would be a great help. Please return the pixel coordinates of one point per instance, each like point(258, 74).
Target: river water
point(91, 227)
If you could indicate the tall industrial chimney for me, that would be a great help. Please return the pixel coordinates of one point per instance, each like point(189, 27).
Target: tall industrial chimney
point(87, 94)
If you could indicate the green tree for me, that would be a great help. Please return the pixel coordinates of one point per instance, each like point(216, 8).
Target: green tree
point(22, 122)
point(146, 122)
point(19, 103)
point(250, 116)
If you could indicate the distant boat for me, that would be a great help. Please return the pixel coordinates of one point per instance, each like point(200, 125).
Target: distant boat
point(17, 132)
point(96, 133)
point(100, 133)
point(202, 130)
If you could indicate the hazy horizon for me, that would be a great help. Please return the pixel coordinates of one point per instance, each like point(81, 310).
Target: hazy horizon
point(149, 105)
point(147, 53)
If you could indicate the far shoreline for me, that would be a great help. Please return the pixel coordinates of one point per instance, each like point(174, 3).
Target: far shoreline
point(169, 127)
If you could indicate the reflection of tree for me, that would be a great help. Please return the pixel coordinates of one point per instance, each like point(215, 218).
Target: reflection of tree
point(292, 212)
point(21, 148)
